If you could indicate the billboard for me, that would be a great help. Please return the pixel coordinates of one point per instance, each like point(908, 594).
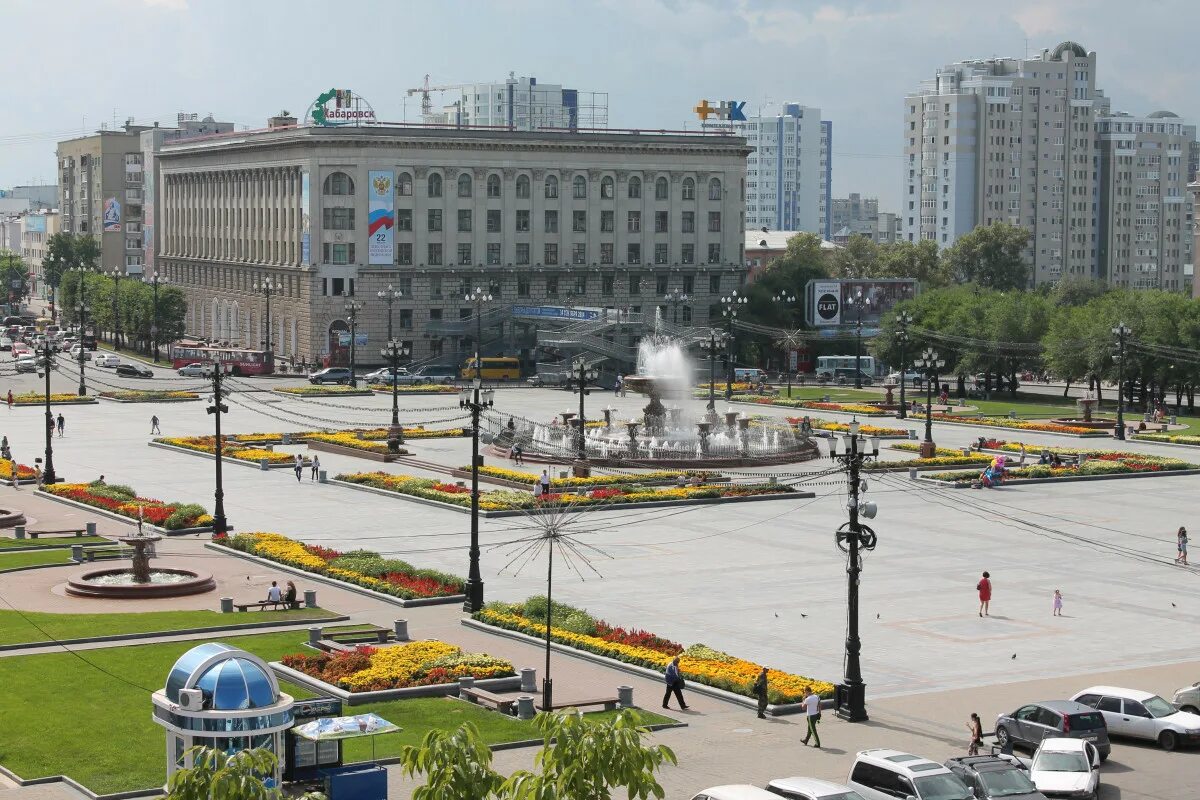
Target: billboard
point(834, 303)
point(360, 339)
point(112, 215)
point(381, 216)
point(827, 303)
point(305, 236)
point(555, 312)
point(35, 224)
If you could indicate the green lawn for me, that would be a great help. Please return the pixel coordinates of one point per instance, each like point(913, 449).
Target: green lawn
point(36, 626)
point(30, 558)
point(126, 751)
point(21, 544)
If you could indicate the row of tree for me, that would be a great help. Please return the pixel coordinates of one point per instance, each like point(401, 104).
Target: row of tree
point(123, 309)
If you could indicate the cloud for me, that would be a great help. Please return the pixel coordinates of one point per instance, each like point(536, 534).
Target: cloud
point(169, 5)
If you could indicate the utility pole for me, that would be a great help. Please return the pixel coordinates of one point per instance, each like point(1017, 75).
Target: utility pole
point(903, 320)
point(731, 304)
point(48, 475)
point(352, 309)
point(154, 281)
point(1122, 330)
point(475, 399)
point(217, 407)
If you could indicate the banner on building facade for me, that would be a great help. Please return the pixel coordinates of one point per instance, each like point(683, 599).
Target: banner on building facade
point(148, 192)
point(305, 240)
point(112, 215)
point(381, 217)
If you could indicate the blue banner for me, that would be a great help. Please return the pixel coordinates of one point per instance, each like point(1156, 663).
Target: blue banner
point(555, 312)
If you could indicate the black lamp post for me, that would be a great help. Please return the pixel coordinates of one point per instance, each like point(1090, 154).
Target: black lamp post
point(903, 320)
point(675, 298)
point(852, 538)
point(266, 287)
point(48, 475)
point(478, 298)
point(217, 407)
point(929, 364)
point(81, 312)
point(116, 274)
point(476, 399)
point(1121, 331)
point(393, 352)
point(730, 311)
point(583, 375)
point(711, 345)
point(352, 309)
point(786, 300)
point(859, 301)
point(154, 280)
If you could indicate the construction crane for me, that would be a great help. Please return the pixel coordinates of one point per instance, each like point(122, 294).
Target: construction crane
point(426, 103)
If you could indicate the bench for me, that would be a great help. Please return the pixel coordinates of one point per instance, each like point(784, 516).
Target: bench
point(505, 705)
point(377, 636)
point(71, 532)
point(261, 604)
point(609, 704)
point(330, 646)
point(103, 553)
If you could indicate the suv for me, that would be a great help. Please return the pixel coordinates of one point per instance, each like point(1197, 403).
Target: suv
point(1188, 698)
point(330, 375)
point(1063, 719)
point(991, 777)
point(891, 774)
point(1142, 715)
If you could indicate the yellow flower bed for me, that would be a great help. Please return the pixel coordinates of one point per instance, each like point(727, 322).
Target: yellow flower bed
point(347, 439)
point(258, 454)
point(33, 398)
point(287, 551)
point(398, 664)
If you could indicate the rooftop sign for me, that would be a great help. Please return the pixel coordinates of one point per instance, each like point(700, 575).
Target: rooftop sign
point(340, 107)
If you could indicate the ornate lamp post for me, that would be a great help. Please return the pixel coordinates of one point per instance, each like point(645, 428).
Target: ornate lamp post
point(929, 364)
point(116, 275)
point(217, 407)
point(583, 375)
point(266, 287)
point(1120, 331)
point(903, 320)
point(154, 280)
point(352, 309)
point(81, 312)
point(393, 352)
point(786, 299)
point(711, 345)
point(476, 399)
point(731, 304)
point(859, 301)
point(675, 298)
point(48, 475)
point(478, 298)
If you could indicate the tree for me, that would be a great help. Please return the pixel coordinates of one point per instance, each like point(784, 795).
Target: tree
point(584, 760)
point(917, 260)
point(14, 274)
point(217, 776)
point(991, 256)
point(858, 258)
point(458, 765)
point(66, 251)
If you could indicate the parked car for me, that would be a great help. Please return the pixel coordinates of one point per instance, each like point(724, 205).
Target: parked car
point(913, 379)
point(811, 789)
point(6, 343)
point(990, 777)
point(556, 379)
point(843, 376)
point(77, 349)
point(890, 774)
point(330, 375)
point(134, 371)
point(1066, 768)
point(1142, 715)
point(385, 375)
point(27, 364)
point(423, 375)
point(194, 370)
point(1188, 698)
point(107, 360)
point(741, 791)
point(1030, 724)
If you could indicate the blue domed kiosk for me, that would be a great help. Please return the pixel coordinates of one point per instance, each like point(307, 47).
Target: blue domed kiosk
point(219, 696)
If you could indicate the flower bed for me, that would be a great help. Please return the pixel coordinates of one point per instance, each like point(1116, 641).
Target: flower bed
point(944, 460)
point(1169, 438)
point(576, 628)
point(322, 389)
point(861, 409)
point(844, 427)
point(530, 478)
point(148, 396)
point(1018, 424)
point(513, 499)
point(124, 501)
point(1097, 463)
point(39, 398)
point(231, 448)
point(359, 567)
point(23, 472)
point(418, 388)
point(425, 663)
point(348, 439)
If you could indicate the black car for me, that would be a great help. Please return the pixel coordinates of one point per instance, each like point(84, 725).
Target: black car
point(133, 371)
point(330, 375)
point(993, 777)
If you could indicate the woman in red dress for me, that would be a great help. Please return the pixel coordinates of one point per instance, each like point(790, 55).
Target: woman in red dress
point(985, 594)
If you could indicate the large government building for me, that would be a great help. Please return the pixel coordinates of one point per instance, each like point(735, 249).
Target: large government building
point(545, 222)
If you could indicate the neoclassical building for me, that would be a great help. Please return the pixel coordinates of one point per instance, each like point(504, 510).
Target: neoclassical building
point(536, 219)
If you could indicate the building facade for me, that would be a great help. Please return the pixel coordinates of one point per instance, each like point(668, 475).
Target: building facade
point(789, 173)
point(329, 215)
point(40, 197)
point(36, 230)
point(524, 104)
point(860, 216)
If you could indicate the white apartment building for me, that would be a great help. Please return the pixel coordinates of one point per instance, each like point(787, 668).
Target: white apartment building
point(788, 175)
point(1007, 140)
point(36, 230)
point(524, 104)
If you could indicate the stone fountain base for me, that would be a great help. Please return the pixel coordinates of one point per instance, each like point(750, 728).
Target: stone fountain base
point(804, 453)
point(193, 583)
point(11, 518)
point(1095, 423)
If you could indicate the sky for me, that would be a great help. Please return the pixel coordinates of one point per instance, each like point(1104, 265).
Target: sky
point(94, 61)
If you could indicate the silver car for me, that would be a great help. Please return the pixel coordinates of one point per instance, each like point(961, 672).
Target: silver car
point(1028, 725)
point(1142, 715)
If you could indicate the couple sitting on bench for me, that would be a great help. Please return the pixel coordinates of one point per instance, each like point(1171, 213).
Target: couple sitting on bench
point(275, 598)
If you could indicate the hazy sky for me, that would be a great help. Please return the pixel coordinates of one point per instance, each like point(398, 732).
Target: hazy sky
point(242, 60)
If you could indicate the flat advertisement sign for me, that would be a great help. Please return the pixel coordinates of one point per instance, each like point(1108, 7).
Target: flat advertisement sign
point(827, 303)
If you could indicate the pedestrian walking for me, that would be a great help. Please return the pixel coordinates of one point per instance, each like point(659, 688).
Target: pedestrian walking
point(812, 714)
point(316, 471)
point(617, 387)
point(154, 424)
point(4, 451)
point(15, 484)
point(984, 587)
point(1057, 603)
point(760, 691)
point(62, 424)
point(1181, 541)
point(10, 399)
point(545, 481)
point(674, 683)
point(37, 472)
point(298, 465)
point(976, 729)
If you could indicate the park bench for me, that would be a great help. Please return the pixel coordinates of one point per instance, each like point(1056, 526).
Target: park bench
point(50, 534)
point(609, 704)
point(330, 646)
point(504, 705)
point(104, 553)
point(377, 636)
point(261, 604)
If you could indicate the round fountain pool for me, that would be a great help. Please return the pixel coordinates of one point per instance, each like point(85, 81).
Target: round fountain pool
point(120, 584)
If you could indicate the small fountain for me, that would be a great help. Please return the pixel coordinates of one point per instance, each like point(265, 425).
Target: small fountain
point(1087, 419)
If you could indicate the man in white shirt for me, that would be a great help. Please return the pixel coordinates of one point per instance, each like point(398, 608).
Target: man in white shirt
point(275, 596)
point(812, 713)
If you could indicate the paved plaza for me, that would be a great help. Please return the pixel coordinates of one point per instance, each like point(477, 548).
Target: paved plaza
point(760, 580)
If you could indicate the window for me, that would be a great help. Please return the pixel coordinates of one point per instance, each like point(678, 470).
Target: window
point(464, 253)
point(338, 219)
point(551, 221)
point(635, 284)
point(689, 189)
point(493, 220)
point(405, 320)
point(686, 314)
point(579, 188)
point(435, 286)
point(714, 222)
point(435, 254)
point(493, 186)
point(493, 253)
point(551, 254)
point(339, 287)
point(552, 285)
point(689, 284)
point(523, 187)
point(606, 221)
point(660, 254)
point(714, 284)
point(336, 253)
point(606, 188)
point(434, 185)
point(579, 253)
point(660, 284)
point(635, 188)
point(404, 253)
point(523, 220)
point(435, 219)
point(404, 219)
point(689, 222)
point(687, 254)
point(522, 286)
point(551, 186)
point(714, 253)
point(339, 183)
point(714, 189)
point(522, 253)
point(464, 220)
point(579, 221)
point(635, 221)
point(464, 185)
point(608, 285)
point(1136, 709)
point(660, 221)
point(661, 189)
point(633, 253)
point(606, 252)
point(404, 184)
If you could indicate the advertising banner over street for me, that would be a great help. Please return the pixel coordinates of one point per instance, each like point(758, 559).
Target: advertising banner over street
point(112, 215)
point(381, 216)
point(827, 303)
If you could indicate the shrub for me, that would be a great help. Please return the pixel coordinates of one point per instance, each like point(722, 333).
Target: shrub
point(706, 653)
point(578, 622)
point(113, 491)
point(535, 608)
point(184, 516)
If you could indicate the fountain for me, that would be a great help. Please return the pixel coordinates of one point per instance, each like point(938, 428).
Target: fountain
point(139, 581)
point(1086, 418)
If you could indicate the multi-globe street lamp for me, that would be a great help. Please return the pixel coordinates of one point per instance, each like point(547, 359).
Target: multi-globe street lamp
point(730, 305)
point(930, 366)
point(352, 308)
point(859, 301)
point(903, 320)
point(154, 279)
point(475, 399)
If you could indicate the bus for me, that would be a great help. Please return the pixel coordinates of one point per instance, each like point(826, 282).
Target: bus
point(494, 369)
point(831, 366)
point(242, 361)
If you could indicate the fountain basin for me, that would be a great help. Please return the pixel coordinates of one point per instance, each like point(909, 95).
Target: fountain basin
point(10, 518)
point(119, 584)
point(1095, 423)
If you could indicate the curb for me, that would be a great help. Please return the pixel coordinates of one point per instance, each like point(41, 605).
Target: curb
point(864, 414)
point(417, 602)
point(67, 563)
point(225, 459)
point(1167, 444)
point(1096, 435)
point(88, 400)
point(128, 520)
point(79, 787)
point(354, 452)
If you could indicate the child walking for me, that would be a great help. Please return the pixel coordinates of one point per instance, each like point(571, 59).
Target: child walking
point(1057, 603)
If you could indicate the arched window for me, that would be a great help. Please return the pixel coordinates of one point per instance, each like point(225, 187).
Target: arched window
point(579, 187)
point(635, 187)
point(435, 185)
point(523, 186)
point(493, 186)
point(714, 189)
point(660, 189)
point(339, 183)
point(464, 185)
point(551, 186)
point(404, 184)
point(689, 189)
point(606, 188)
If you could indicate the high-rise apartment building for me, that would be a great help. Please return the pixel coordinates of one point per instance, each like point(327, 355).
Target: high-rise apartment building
point(1007, 140)
point(1144, 210)
point(36, 230)
point(789, 173)
point(523, 104)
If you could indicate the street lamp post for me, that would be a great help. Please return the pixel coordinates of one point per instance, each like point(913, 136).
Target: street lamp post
point(712, 344)
point(786, 300)
point(154, 280)
point(352, 309)
point(675, 298)
point(81, 311)
point(478, 298)
point(930, 365)
point(583, 374)
point(730, 304)
point(903, 320)
point(116, 276)
point(1121, 330)
point(266, 287)
point(852, 538)
point(475, 399)
point(48, 475)
point(859, 301)
point(393, 352)
point(217, 407)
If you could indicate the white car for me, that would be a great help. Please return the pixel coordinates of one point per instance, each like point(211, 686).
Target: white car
point(77, 349)
point(811, 789)
point(107, 360)
point(885, 774)
point(740, 791)
point(1066, 768)
point(1142, 715)
point(1188, 698)
point(27, 364)
point(193, 370)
